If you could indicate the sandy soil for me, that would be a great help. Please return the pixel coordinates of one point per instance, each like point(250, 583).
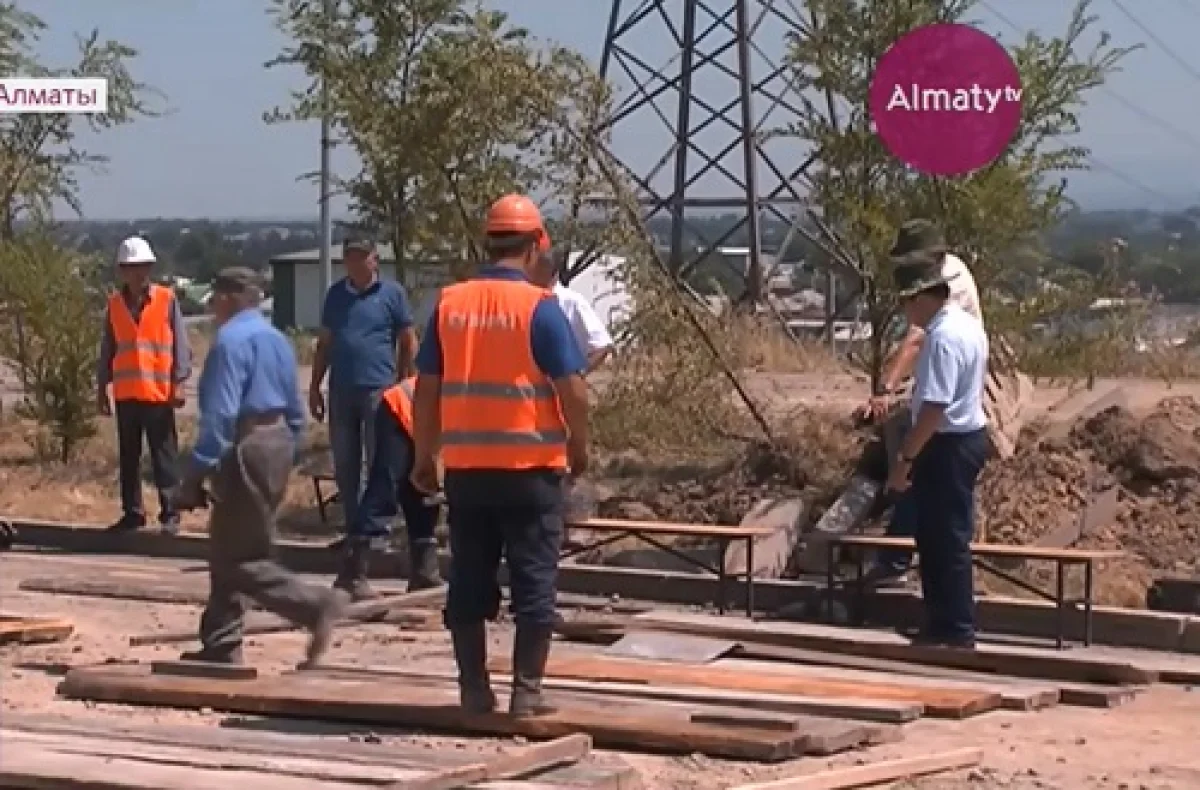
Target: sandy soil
point(1147, 744)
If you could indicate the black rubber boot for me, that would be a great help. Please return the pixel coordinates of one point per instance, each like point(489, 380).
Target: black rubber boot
point(424, 574)
point(470, 653)
point(531, 650)
point(352, 578)
point(232, 656)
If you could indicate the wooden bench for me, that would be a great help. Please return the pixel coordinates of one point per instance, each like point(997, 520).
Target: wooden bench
point(981, 553)
point(652, 532)
point(320, 474)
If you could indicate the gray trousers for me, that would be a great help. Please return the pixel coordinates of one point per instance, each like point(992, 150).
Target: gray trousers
point(247, 490)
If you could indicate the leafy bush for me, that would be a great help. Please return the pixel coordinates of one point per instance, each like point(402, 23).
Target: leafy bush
point(51, 334)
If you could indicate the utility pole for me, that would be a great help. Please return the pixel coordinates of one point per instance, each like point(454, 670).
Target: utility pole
point(326, 234)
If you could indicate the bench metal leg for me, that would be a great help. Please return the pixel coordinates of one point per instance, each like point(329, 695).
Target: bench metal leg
point(830, 553)
point(1087, 603)
point(1060, 614)
point(749, 578)
point(722, 575)
point(860, 590)
point(320, 500)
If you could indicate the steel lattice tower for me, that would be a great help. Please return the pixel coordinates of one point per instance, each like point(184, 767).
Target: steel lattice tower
point(716, 112)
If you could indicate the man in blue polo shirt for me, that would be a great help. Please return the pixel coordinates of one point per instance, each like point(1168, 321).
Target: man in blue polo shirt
point(367, 344)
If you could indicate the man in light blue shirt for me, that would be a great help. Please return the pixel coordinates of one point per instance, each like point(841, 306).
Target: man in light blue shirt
point(251, 420)
point(943, 453)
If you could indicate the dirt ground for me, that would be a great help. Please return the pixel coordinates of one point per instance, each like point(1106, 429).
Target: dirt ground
point(1146, 744)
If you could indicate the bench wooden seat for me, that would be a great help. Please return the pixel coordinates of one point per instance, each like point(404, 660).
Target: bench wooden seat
point(614, 529)
point(980, 554)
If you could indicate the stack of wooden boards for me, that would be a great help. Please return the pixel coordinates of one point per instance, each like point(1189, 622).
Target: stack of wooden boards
point(45, 754)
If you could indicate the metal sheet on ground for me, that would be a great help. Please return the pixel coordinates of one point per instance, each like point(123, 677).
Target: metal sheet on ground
point(680, 648)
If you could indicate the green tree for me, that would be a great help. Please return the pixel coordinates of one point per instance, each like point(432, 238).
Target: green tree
point(40, 155)
point(53, 291)
point(446, 104)
point(995, 217)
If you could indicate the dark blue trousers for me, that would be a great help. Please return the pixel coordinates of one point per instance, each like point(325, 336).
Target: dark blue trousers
point(389, 489)
point(943, 492)
point(517, 516)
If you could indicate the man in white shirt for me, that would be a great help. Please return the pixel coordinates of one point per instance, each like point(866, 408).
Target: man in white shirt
point(919, 240)
point(590, 332)
point(944, 451)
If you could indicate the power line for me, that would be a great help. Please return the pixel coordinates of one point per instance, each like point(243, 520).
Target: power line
point(1141, 112)
point(1172, 54)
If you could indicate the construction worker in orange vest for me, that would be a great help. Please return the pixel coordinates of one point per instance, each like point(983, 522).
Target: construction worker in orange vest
point(389, 489)
point(500, 391)
point(145, 357)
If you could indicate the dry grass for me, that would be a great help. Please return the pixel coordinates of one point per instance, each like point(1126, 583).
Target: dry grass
point(85, 491)
point(760, 344)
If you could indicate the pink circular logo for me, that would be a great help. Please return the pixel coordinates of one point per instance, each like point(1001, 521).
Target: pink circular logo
point(946, 99)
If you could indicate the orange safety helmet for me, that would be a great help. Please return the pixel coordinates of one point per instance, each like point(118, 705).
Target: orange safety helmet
point(519, 215)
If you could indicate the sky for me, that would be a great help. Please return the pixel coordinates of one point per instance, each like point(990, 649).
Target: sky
point(213, 156)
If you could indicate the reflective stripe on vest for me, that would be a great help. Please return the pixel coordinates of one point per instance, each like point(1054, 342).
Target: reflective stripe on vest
point(399, 401)
point(499, 411)
point(143, 352)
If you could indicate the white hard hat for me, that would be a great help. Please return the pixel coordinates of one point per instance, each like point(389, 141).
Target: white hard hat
point(135, 251)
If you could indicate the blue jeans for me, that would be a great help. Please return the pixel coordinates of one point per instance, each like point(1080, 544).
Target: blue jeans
point(943, 490)
point(389, 489)
point(352, 439)
point(515, 516)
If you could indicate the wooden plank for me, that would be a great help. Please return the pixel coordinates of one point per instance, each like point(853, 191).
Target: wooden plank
point(204, 669)
point(604, 775)
point(878, 711)
point(947, 703)
point(987, 549)
point(41, 769)
point(670, 528)
point(356, 613)
point(875, 773)
point(396, 704)
point(1012, 697)
point(523, 762)
point(23, 630)
point(753, 720)
point(1071, 666)
point(1078, 694)
point(208, 759)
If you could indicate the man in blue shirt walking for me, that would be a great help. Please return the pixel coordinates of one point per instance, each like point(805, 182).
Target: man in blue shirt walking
point(251, 421)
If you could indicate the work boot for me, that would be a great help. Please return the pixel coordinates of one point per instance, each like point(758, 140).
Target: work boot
point(322, 631)
point(130, 522)
point(232, 656)
point(470, 654)
point(531, 649)
point(352, 577)
point(424, 573)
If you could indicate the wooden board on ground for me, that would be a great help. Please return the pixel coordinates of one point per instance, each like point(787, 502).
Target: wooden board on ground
point(596, 773)
point(1079, 694)
point(878, 711)
point(158, 588)
point(376, 701)
point(1074, 666)
point(944, 703)
point(873, 774)
point(18, 629)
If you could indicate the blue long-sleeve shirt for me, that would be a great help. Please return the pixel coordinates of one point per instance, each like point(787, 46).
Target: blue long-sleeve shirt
point(250, 370)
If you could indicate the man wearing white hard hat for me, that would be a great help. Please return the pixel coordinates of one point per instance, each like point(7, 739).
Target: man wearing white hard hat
point(145, 358)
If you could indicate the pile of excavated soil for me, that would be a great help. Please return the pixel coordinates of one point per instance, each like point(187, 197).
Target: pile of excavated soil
point(1154, 462)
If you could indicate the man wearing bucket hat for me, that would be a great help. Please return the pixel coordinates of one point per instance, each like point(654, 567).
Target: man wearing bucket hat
point(144, 356)
point(918, 241)
point(941, 456)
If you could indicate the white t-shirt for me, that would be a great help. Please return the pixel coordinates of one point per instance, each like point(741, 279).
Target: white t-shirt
point(951, 368)
point(963, 291)
point(590, 332)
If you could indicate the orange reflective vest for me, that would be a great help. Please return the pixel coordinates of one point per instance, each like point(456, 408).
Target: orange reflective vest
point(399, 400)
point(143, 352)
point(499, 411)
